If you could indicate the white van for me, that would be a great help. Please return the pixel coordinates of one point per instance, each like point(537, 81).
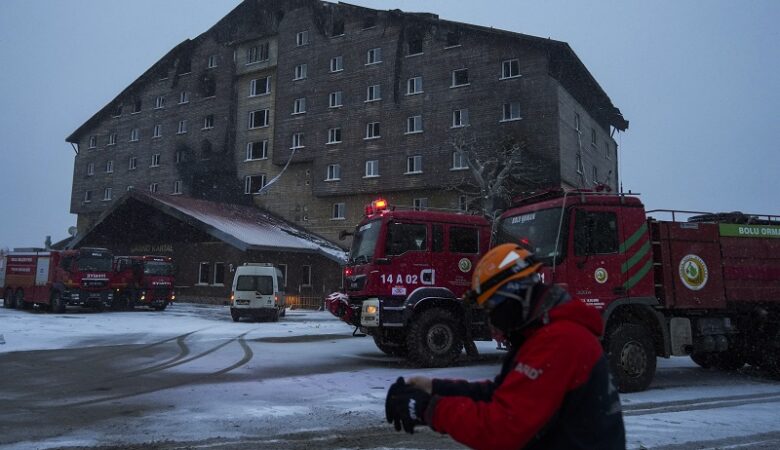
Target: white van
point(257, 292)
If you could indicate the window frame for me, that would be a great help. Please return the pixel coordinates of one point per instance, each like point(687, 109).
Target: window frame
point(302, 38)
point(337, 64)
point(208, 122)
point(414, 85)
point(299, 106)
point(374, 164)
point(374, 56)
point(414, 124)
point(459, 156)
point(184, 97)
point(338, 211)
point(454, 79)
point(253, 86)
point(413, 165)
point(183, 127)
point(333, 172)
point(110, 166)
point(132, 163)
point(250, 150)
point(248, 183)
point(334, 135)
point(177, 187)
point(373, 93)
point(264, 123)
point(202, 264)
point(297, 141)
point(510, 108)
point(159, 102)
point(458, 118)
point(373, 131)
point(336, 99)
point(155, 160)
point(301, 72)
point(510, 64)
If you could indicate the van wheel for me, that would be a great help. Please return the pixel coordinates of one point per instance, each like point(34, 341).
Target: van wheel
point(235, 315)
point(8, 299)
point(435, 338)
point(20, 303)
point(284, 312)
point(57, 303)
point(631, 356)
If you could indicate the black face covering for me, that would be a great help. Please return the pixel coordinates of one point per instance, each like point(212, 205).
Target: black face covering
point(507, 316)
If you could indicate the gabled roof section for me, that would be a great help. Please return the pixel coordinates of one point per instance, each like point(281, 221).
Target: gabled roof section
point(243, 227)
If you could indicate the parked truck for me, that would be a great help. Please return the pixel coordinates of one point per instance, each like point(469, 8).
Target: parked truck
point(143, 281)
point(404, 280)
point(54, 279)
point(707, 285)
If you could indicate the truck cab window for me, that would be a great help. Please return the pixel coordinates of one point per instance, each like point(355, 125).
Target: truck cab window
point(437, 242)
point(595, 232)
point(464, 240)
point(405, 237)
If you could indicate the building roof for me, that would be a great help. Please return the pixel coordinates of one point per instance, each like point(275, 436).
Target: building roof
point(243, 227)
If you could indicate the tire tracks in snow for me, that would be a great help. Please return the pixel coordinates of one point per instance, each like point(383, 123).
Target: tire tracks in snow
point(644, 409)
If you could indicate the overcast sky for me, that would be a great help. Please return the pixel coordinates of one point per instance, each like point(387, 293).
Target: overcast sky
point(698, 81)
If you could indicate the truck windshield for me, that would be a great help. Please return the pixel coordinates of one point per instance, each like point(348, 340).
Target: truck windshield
point(540, 228)
point(364, 242)
point(159, 268)
point(262, 284)
point(96, 263)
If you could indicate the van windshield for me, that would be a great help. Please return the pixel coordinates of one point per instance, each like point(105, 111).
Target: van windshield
point(262, 284)
point(540, 228)
point(364, 242)
point(159, 268)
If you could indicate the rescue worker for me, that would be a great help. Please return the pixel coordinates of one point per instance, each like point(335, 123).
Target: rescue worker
point(554, 390)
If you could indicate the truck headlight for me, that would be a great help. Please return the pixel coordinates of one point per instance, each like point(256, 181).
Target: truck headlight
point(371, 309)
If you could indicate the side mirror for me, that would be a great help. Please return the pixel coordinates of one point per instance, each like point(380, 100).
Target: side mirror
point(344, 233)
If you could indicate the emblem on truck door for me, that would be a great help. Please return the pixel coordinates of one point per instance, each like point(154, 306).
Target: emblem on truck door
point(693, 272)
point(601, 275)
point(464, 265)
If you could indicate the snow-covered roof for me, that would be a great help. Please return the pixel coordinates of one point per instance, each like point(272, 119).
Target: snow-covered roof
point(242, 226)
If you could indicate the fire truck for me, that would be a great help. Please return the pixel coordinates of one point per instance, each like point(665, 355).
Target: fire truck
point(699, 284)
point(406, 274)
point(55, 279)
point(143, 281)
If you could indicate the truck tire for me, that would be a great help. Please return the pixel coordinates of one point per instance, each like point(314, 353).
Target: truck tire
point(235, 315)
point(389, 347)
point(8, 299)
point(57, 303)
point(435, 338)
point(631, 356)
point(19, 298)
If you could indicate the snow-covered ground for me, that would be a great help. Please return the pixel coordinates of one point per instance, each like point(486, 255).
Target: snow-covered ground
point(192, 375)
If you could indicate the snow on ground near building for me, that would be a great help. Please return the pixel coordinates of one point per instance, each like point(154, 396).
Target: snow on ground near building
point(307, 372)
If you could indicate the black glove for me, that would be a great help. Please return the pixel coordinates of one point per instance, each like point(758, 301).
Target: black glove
point(405, 406)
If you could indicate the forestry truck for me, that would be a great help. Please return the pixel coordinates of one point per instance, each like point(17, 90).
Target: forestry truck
point(55, 279)
point(143, 281)
point(404, 280)
point(707, 286)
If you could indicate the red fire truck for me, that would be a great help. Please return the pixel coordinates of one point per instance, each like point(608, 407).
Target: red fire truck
point(707, 286)
point(55, 279)
point(406, 273)
point(143, 281)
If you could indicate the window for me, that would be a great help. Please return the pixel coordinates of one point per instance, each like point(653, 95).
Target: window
point(595, 175)
point(299, 106)
point(338, 28)
point(405, 237)
point(577, 122)
point(219, 273)
point(334, 172)
point(595, 232)
point(334, 135)
point(414, 46)
point(155, 160)
point(305, 275)
point(334, 99)
point(374, 56)
point(300, 72)
point(157, 131)
point(460, 118)
point(372, 168)
point(153, 187)
point(414, 164)
point(373, 93)
point(204, 273)
point(90, 169)
point(112, 139)
point(107, 194)
point(258, 118)
point(257, 150)
point(593, 137)
point(511, 111)
point(179, 156)
point(177, 187)
point(117, 112)
point(184, 97)
point(134, 135)
point(463, 203)
point(159, 102)
point(92, 141)
point(453, 39)
point(109, 166)
point(129, 187)
point(510, 69)
point(337, 64)
point(420, 204)
point(302, 38)
point(607, 153)
point(372, 130)
point(260, 86)
point(464, 240)
point(338, 211)
point(460, 77)
point(182, 127)
point(137, 106)
point(414, 124)
point(580, 167)
point(132, 163)
point(257, 53)
point(212, 61)
point(283, 269)
point(297, 140)
point(459, 161)
point(253, 183)
point(208, 122)
point(414, 86)
point(87, 196)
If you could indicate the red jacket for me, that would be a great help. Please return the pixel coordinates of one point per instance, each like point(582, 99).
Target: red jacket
point(554, 392)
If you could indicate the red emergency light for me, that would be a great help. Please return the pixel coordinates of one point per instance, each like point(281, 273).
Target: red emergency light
point(376, 206)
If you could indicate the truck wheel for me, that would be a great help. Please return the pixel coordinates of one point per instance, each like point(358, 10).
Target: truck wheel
point(390, 347)
point(57, 303)
point(631, 356)
point(20, 303)
point(8, 299)
point(234, 314)
point(435, 338)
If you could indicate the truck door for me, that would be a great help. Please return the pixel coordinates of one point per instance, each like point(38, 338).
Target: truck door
point(595, 275)
point(461, 254)
point(407, 247)
point(41, 291)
